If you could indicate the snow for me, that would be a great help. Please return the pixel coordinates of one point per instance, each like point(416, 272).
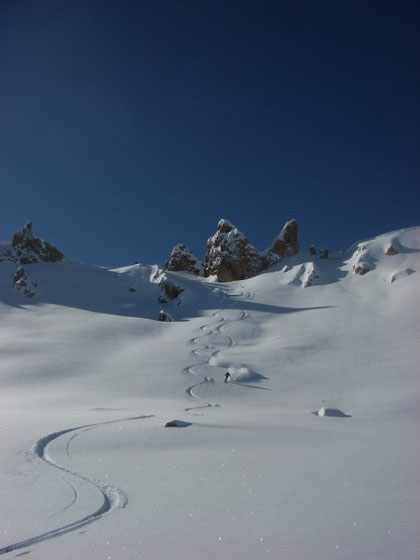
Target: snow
point(227, 235)
point(310, 452)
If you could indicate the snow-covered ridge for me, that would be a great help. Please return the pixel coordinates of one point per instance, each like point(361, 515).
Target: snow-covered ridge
point(389, 253)
point(309, 449)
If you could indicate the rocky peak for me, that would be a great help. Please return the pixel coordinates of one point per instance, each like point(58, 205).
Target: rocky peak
point(183, 260)
point(224, 226)
point(230, 255)
point(23, 236)
point(26, 248)
point(286, 244)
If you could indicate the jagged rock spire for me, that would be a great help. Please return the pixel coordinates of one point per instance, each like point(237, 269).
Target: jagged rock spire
point(286, 244)
point(26, 248)
point(183, 260)
point(230, 255)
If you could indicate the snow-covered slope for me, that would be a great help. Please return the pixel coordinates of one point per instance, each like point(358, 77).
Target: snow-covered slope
point(89, 378)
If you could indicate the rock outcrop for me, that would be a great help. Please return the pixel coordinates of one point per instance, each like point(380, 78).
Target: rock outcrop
point(325, 253)
point(24, 283)
point(361, 269)
point(163, 317)
point(286, 244)
point(183, 260)
point(392, 251)
point(310, 275)
point(169, 290)
point(230, 256)
point(363, 262)
point(26, 248)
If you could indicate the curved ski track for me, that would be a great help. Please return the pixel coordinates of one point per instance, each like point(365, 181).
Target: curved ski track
point(211, 328)
point(113, 497)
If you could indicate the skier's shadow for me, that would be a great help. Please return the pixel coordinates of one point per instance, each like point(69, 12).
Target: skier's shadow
point(249, 386)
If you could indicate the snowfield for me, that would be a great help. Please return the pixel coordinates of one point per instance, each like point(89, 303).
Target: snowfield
point(312, 451)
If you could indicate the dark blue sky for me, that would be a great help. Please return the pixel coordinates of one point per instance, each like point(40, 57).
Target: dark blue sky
point(127, 127)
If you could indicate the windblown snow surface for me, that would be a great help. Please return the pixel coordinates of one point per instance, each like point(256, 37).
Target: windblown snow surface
point(312, 451)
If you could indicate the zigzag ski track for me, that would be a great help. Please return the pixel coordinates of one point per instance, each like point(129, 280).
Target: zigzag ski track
point(211, 328)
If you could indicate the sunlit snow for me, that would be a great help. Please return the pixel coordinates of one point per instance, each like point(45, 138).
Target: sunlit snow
point(310, 451)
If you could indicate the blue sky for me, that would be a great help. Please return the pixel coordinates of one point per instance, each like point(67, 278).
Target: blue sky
point(128, 127)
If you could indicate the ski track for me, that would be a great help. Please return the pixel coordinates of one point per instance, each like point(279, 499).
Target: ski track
point(113, 497)
point(75, 495)
point(211, 328)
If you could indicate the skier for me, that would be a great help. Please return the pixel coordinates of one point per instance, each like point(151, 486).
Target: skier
point(227, 377)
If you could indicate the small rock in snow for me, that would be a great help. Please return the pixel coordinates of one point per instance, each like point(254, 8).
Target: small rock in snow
point(177, 424)
point(331, 412)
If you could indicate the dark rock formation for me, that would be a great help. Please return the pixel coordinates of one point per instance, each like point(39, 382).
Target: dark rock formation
point(170, 290)
point(177, 424)
point(230, 256)
point(392, 251)
point(183, 260)
point(23, 283)
point(361, 269)
point(164, 317)
point(325, 253)
point(335, 412)
point(26, 248)
point(286, 244)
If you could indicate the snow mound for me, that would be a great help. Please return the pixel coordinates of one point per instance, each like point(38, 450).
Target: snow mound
point(363, 260)
point(302, 275)
point(384, 252)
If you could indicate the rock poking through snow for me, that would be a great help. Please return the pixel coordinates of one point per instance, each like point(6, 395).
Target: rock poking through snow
point(26, 248)
point(363, 260)
point(325, 253)
point(310, 275)
point(230, 256)
point(183, 260)
point(392, 251)
point(169, 289)
point(23, 283)
point(361, 269)
point(336, 412)
point(177, 424)
point(163, 317)
point(286, 243)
